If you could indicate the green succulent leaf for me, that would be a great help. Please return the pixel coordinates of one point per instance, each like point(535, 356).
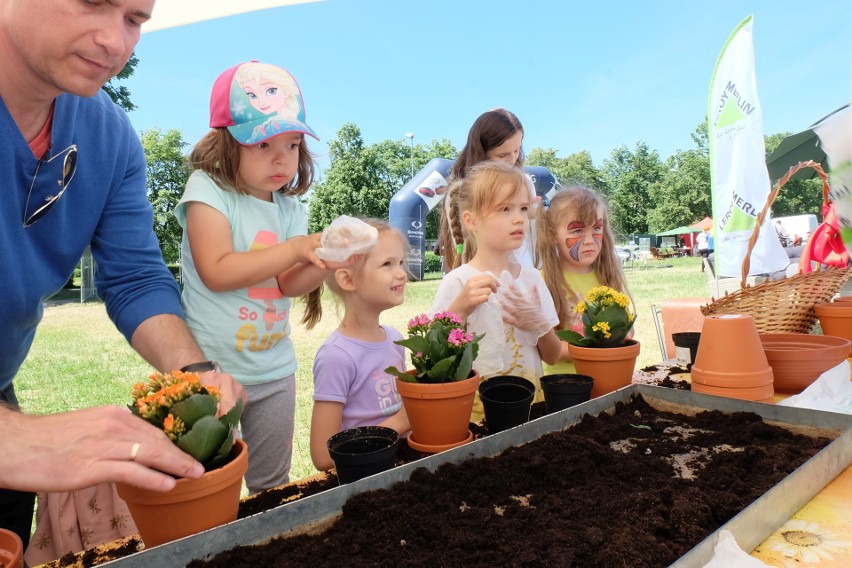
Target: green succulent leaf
point(416, 344)
point(232, 417)
point(221, 457)
point(569, 335)
point(205, 438)
point(195, 407)
point(465, 364)
point(401, 375)
point(438, 347)
point(615, 315)
point(441, 369)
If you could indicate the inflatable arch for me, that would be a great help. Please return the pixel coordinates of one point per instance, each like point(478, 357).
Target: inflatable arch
point(410, 205)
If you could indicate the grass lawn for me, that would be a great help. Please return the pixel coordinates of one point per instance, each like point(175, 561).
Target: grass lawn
point(78, 358)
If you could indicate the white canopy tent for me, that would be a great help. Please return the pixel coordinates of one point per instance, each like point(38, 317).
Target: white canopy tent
point(173, 13)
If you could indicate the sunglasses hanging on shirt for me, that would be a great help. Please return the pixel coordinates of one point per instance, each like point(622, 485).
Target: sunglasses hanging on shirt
point(63, 178)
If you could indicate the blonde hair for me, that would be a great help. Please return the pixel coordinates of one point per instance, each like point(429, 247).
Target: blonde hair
point(582, 204)
point(218, 155)
point(313, 304)
point(478, 193)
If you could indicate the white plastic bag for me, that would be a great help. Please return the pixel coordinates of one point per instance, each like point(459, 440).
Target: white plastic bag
point(344, 237)
point(727, 554)
point(830, 392)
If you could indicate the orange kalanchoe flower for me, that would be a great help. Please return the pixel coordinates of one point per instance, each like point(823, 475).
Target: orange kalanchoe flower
point(187, 412)
point(152, 399)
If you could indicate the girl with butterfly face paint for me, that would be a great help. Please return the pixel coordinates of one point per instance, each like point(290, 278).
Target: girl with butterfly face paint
point(576, 252)
point(580, 244)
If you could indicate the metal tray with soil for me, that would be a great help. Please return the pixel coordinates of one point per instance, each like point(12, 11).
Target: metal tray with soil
point(644, 483)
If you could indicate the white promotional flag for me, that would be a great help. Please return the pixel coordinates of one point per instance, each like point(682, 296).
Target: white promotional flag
point(835, 137)
point(738, 178)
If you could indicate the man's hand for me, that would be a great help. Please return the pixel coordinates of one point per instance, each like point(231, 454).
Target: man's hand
point(74, 450)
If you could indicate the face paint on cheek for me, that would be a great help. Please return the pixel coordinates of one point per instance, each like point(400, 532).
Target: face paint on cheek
point(574, 245)
point(597, 236)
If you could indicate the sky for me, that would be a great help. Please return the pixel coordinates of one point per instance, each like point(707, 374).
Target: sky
point(579, 75)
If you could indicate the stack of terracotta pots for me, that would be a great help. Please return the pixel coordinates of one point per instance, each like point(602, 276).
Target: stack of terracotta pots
point(730, 360)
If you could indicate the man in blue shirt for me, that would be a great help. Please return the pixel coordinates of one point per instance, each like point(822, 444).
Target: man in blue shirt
point(72, 172)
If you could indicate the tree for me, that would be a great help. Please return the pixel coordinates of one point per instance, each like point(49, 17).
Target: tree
point(361, 180)
point(351, 185)
point(629, 177)
point(682, 196)
point(120, 94)
point(575, 169)
point(167, 172)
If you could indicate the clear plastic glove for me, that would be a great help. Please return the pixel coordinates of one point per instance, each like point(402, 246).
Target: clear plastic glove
point(344, 237)
point(523, 310)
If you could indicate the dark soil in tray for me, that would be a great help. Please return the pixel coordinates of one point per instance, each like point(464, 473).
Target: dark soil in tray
point(277, 496)
point(94, 556)
point(638, 488)
point(263, 501)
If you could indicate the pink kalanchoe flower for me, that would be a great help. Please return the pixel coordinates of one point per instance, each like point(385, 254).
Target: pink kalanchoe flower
point(419, 323)
point(457, 337)
point(441, 349)
point(448, 317)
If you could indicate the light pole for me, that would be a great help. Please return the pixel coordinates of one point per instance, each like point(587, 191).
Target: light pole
point(410, 136)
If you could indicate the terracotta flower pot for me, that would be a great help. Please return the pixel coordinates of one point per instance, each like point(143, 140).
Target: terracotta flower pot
point(610, 367)
point(564, 390)
point(192, 506)
point(797, 359)
point(11, 550)
point(731, 361)
point(763, 393)
point(363, 451)
point(835, 318)
point(439, 414)
point(507, 400)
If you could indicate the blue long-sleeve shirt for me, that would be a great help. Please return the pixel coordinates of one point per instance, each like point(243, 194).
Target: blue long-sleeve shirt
point(105, 205)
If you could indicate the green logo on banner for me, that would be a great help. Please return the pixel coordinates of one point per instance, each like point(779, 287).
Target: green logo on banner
point(730, 114)
point(739, 221)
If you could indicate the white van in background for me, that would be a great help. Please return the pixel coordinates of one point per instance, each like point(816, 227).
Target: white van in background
point(798, 225)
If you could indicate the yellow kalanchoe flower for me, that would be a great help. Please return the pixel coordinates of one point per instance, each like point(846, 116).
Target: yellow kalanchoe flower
point(603, 327)
point(606, 318)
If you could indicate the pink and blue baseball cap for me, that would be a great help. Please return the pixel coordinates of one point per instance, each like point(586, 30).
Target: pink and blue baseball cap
point(257, 101)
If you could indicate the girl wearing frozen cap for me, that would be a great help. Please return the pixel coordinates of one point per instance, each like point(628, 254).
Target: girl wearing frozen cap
point(245, 251)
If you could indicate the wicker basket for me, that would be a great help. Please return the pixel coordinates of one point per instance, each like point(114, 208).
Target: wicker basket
point(787, 305)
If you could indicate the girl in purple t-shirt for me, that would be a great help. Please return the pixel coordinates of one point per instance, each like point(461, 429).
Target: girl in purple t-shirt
point(351, 387)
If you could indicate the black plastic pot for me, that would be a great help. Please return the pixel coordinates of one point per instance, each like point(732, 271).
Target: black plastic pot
point(686, 340)
point(506, 400)
point(565, 390)
point(362, 451)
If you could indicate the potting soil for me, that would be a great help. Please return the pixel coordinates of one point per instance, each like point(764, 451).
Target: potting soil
point(637, 488)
